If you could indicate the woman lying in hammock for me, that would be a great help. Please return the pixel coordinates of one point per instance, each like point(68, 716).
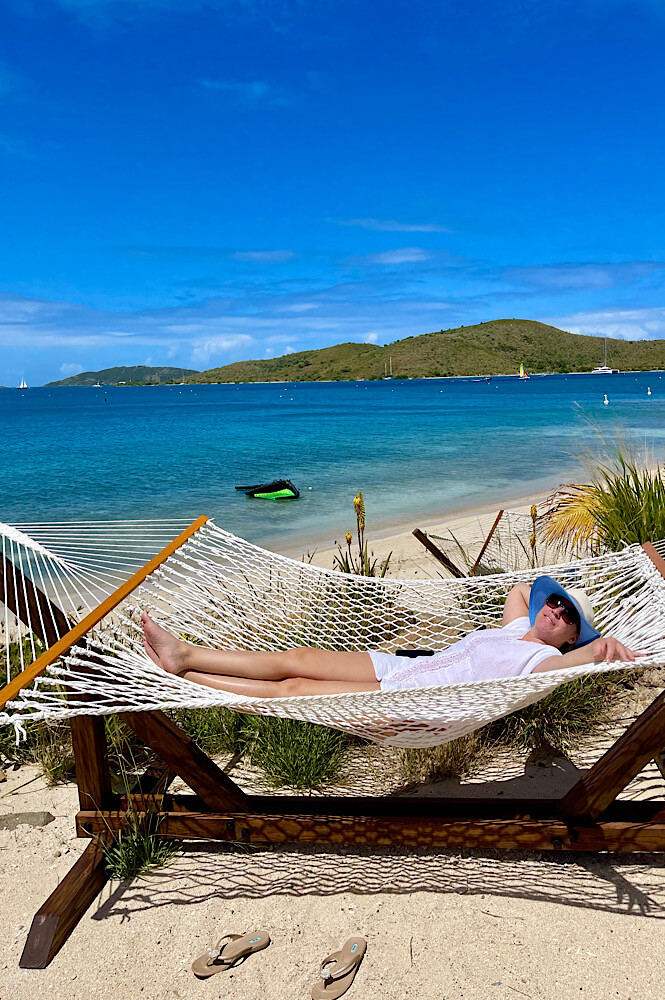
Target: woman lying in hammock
point(544, 628)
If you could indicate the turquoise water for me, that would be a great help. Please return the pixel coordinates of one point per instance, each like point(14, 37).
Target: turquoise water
point(416, 448)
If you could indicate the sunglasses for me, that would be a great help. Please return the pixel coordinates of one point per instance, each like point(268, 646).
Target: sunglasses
point(569, 613)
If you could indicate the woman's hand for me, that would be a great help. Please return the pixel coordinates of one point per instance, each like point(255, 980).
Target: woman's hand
point(608, 648)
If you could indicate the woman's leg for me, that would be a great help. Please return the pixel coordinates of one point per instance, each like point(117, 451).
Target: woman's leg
point(180, 657)
point(290, 687)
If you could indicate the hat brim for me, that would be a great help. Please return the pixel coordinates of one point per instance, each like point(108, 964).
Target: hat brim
point(542, 587)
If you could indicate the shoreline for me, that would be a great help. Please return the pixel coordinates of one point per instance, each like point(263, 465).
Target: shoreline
point(398, 534)
point(408, 557)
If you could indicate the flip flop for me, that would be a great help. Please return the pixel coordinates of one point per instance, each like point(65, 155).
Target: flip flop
point(339, 969)
point(225, 956)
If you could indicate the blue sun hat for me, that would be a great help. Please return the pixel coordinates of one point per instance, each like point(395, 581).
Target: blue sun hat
point(543, 586)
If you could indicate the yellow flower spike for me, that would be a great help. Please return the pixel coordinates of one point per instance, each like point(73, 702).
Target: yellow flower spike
point(534, 511)
point(348, 537)
point(359, 506)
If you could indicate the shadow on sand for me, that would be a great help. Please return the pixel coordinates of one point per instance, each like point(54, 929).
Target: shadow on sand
point(630, 884)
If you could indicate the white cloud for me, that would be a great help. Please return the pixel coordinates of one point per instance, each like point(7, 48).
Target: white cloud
point(71, 368)
point(269, 256)
point(371, 338)
point(290, 350)
point(214, 347)
point(625, 324)
point(248, 93)
point(14, 147)
point(299, 307)
point(406, 255)
point(391, 226)
point(9, 80)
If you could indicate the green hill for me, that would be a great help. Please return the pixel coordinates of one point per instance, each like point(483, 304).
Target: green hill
point(496, 347)
point(129, 375)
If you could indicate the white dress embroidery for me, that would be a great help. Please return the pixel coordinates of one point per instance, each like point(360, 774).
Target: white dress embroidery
point(487, 653)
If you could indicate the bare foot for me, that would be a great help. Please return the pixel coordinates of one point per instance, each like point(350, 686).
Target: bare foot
point(163, 648)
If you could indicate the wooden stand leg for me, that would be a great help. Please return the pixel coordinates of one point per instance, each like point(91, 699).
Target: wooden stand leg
point(57, 918)
point(601, 784)
point(91, 759)
point(182, 755)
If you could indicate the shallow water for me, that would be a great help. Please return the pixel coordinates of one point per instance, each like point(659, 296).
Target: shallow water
point(417, 448)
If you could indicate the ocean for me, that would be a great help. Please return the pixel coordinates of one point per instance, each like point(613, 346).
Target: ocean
point(418, 449)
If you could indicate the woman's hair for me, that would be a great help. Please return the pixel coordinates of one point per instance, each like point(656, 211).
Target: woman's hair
point(567, 646)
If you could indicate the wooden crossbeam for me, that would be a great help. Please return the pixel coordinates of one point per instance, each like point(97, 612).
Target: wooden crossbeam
point(601, 784)
point(408, 831)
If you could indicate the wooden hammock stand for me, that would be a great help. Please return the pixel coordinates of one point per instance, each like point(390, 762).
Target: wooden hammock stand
point(587, 818)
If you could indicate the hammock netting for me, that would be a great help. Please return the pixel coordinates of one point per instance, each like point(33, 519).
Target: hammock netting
point(221, 591)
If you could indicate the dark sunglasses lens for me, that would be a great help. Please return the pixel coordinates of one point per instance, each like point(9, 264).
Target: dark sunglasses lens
point(568, 611)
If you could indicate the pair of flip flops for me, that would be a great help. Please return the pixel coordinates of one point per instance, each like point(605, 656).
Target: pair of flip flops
point(338, 970)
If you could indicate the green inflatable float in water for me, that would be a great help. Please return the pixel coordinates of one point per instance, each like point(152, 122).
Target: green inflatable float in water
point(278, 489)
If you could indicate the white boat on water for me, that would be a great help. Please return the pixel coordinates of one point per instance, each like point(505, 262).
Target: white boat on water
point(523, 374)
point(604, 369)
point(23, 384)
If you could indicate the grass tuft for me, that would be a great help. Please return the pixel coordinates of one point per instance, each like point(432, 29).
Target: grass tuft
point(215, 730)
point(458, 759)
point(138, 850)
point(562, 719)
point(298, 754)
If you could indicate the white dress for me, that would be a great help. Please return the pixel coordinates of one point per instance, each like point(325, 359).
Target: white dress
point(487, 653)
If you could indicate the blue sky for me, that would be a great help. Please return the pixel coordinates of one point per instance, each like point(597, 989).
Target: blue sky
point(192, 182)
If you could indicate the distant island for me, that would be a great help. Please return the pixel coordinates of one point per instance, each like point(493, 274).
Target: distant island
point(129, 375)
point(497, 347)
point(493, 348)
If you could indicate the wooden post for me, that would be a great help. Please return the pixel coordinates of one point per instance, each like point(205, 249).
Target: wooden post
point(30, 606)
point(437, 553)
point(486, 543)
point(55, 920)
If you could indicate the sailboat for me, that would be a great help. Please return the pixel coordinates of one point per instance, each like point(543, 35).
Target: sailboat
point(523, 374)
point(23, 384)
point(603, 369)
point(385, 370)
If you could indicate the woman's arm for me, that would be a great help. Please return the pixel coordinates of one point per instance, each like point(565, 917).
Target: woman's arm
point(607, 649)
point(517, 603)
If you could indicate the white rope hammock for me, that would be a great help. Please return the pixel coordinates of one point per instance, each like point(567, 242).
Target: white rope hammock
point(221, 591)
point(75, 564)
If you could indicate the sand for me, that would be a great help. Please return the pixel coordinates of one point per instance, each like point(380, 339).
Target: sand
point(409, 559)
point(438, 925)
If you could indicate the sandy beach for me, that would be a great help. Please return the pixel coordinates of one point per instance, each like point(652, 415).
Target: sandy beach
point(439, 925)
point(409, 559)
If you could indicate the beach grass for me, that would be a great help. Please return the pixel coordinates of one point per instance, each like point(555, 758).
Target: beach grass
point(138, 850)
point(298, 754)
point(458, 759)
point(562, 719)
point(622, 504)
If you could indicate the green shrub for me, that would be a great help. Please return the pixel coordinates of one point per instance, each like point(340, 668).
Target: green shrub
point(215, 730)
